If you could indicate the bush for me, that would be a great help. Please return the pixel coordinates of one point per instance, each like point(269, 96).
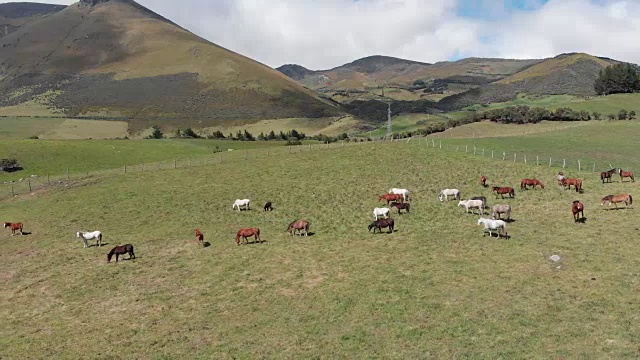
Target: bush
point(611, 117)
point(622, 114)
point(216, 135)
point(596, 115)
point(632, 115)
point(9, 165)
point(293, 141)
point(156, 133)
point(188, 132)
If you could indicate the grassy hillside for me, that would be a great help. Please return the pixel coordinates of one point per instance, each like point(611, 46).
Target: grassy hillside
point(17, 14)
point(436, 288)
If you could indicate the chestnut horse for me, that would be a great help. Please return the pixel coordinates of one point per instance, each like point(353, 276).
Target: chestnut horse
point(560, 177)
point(121, 250)
point(577, 208)
point(483, 181)
point(14, 227)
point(609, 199)
point(248, 232)
point(382, 223)
point(623, 174)
point(391, 197)
point(577, 183)
point(504, 190)
point(299, 225)
point(606, 175)
point(530, 182)
point(200, 236)
point(401, 206)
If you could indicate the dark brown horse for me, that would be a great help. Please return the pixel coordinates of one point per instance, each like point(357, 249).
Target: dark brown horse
point(200, 237)
point(391, 197)
point(267, 206)
point(623, 174)
point(577, 183)
point(14, 227)
point(121, 250)
point(614, 199)
point(530, 182)
point(382, 223)
point(299, 225)
point(578, 210)
point(248, 232)
point(483, 181)
point(606, 175)
point(401, 206)
point(504, 190)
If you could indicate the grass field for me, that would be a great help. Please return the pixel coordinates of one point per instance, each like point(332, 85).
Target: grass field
point(436, 288)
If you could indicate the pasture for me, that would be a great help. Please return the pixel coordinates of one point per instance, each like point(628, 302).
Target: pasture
point(435, 288)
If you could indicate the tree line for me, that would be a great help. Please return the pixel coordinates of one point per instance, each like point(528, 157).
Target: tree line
point(616, 79)
point(523, 114)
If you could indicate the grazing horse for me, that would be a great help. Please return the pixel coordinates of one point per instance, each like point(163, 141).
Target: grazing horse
point(14, 227)
point(97, 235)
point(404, 192)
point(623, 174)
point(121, 250)
point(248, 232)
point(501, 209)
point(391, 197)
point(606, 175)
point(242, 203)
point(614, 199)
point(401, 206)
point(483, 181)
point(504, 190)
point(560, 177)
point(444, 194)
point(200, 237)
point(299, 225)
point(381, 212)
point(382, 223)
point(577, 208)
point(577, 183)
point(493, 225)
point(267, 206)
point(530, 182)
point(472, 204)
point(484, 201)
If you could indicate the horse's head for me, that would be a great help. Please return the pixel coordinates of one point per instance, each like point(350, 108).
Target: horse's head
point(461, 202)
point(371, 226)
point(6, 225)
point(541, 184)
point(109, 255)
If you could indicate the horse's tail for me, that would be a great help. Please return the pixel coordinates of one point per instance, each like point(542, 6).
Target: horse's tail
point(630, 200)
point(504, 228)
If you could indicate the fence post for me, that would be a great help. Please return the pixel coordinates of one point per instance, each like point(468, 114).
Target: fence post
point(466, 148)
point(537, 160)
point(457, 148)
point(564, 163)
point(205, 161)
point(67, 173)
point(594, 167)
point(579, 166)
point(309, 147)
point(474, 150)
point(492, 154)
point(267, 152)
point(504, 155)
point(12, 193)
point(482, 151)
point(29, 182)
point(125, 169)
point(189, 162)
point(142, 167)
point(549, 162)
point(514, 157)
point(440, 144)
point(525, 159)
point(220, 156)
point(245, 155)
point(49, 181)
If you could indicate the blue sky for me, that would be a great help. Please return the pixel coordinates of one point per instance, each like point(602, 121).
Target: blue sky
point(495, 9)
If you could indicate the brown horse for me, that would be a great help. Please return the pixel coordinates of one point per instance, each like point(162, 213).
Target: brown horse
point(200, 237)
point(483, 181)
point(578, 210)
point(623, 174)
point(609, 199)
point(299, 225)
point(391, 197)
point(382, 223)
point(560, 177)
point(530, 182)
point(401, 206)
point(577, 183)
point(14, 227)
point(121, 250)
point(248, 232)
point(606, 175)
point(504, 190)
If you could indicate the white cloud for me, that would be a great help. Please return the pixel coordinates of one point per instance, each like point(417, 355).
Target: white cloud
point(322, 34)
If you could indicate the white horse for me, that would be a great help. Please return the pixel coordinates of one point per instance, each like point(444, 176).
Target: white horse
point(381, 212)
point(444, 194)
point(560, 177)
point(493, 226)
point(472, 204)
point(404, 192)
point(97, 235)
point(501, 209)
point(244, 202)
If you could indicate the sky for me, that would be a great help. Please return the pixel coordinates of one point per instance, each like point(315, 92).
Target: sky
point(322, 34)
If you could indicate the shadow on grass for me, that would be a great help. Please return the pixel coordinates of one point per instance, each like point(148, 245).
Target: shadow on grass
point(618, 208)
point(206, 244)
point(581, 220)
point(254, 242)
point(26, 233)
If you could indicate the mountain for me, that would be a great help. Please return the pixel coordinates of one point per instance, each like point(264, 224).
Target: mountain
point(15, 15)
point(118, 59)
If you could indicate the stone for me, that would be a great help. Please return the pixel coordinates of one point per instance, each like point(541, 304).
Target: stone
point(554, 258)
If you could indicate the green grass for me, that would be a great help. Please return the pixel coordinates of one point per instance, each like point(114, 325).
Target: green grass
point(412, 122)
point(23, 128)
point(434, 289)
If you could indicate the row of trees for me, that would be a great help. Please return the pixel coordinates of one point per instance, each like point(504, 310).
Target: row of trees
point(615, 79)
point(523, 114)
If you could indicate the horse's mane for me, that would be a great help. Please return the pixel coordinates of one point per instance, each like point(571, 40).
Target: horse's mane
point(293, 222)
point(608, 197)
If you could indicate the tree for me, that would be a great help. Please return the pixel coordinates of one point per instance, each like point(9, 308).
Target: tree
point(271, 136)
point(632, 115)
point(619, 78)
point(611, 117)
point(596, 115)
point(622, 114)
point(247, 136)
point(156, 133)
point(188, 132)
point(261, 137)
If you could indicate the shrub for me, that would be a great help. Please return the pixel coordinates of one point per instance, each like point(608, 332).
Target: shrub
point(293, 141)
point(622, 114)
point(156, 133)
point(611, 117)
point(632, 115)
point(9, 165)
point(188, 132)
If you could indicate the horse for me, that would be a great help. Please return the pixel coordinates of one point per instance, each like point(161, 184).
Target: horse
point(244, 202)
point(560, 177)
point(121, 250)
point(299, 225)
point(444, 194)
point(267, 206)
point(504, 190)
point(530, 182)
point(14, 227)
point(472, 204)
point(404, 192)
point(381, 212)
point(248, 232)
point(577, 183)
point(623, 174)
point(483, 181)
point(609, 199)
point(401, 206)
point(97, 235)
point(493, 225)
point(577, 208)
point(382, 223)
point(391, 197)
point(501, 209)
point(484, 200)
point(200, 237)
point(606, 175)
